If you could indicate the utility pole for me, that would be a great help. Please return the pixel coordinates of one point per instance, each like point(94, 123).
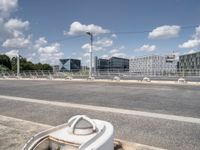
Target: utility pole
point(91, 45)
point(18, 65)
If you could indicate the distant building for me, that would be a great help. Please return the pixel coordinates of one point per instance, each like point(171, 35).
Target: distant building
point(69, 65)
point(55, 68)
point(189, 62)
point(112, 64)
point(154, 64)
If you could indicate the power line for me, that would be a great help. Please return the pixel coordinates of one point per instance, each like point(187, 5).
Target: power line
point(117, 32)
point(65, 39)
point(147, 31)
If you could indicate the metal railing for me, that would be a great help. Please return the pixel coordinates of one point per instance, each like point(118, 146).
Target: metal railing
point(100, 73)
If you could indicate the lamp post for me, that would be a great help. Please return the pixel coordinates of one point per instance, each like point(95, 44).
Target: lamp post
point(91, 44)
point(18, 65)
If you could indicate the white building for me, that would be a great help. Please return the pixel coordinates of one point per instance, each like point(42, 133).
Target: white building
point(153, 64)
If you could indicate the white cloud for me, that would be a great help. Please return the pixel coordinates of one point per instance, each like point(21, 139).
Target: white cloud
point(86, 54)
point(176, 55)
point(17, 43)
point(165, 32)
point(194, 42)
point(33, 54)
point(40, 42)
point(114, 51)
point(76, 28)
point(29, 58)
point(114, 35)
point(51, 58)
point(12, 53)
point(16, 26)
point(105, 56)
point(104, 42)
point(50, 49)
point(6, 7)
point(47, 53)
point(197, 33)
point(123, 55)
point(190, 44)
point(147, 48)
point(191, 51)
point(98, 45)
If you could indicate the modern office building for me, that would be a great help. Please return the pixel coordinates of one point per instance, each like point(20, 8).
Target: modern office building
point(69, 65)
point(112, 64)
point(189, 62)
point(153, 64)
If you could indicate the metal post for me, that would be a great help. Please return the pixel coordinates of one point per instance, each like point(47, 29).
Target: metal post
point(91, 45)
point(18, 65)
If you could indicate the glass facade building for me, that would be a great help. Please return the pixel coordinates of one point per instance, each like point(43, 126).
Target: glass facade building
point(112, 64)
point(189, 62)
point(69, 65)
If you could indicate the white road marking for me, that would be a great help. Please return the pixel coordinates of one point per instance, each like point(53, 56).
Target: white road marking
point(106, 109)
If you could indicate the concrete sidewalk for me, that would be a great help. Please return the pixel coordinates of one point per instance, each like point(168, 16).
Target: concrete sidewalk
point(15, 132)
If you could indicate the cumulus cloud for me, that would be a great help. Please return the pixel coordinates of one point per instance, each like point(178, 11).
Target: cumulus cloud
point(194, 42)
point(197, 33)
point(40, 42)
point(12, 53)
point(165, 32)
point(191, 51)
point(76, 28)
point(50, 53)
point(190, 44)
point(17, 43)
point(105, 56)
point(147, 48)
point(104, 42)
point(98, 45)
point(114, 51)
point(51, 58)
point(16, 26)
point(86, 55)
point(50, 49)
point(123, 55)
point(6, 7)
point(114, 35)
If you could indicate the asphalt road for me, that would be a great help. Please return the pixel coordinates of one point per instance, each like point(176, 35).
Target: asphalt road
point(178, 100)
point(181, 100)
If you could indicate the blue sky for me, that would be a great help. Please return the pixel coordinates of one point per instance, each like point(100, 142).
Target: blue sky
point(35, 27)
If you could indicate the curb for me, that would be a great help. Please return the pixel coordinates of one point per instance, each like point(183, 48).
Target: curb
point(111, 81)
point(33, 127)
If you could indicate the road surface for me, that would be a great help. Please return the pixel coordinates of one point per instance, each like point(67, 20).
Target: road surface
point(165, 116)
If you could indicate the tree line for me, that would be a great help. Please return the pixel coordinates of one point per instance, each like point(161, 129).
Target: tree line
point(10, 64)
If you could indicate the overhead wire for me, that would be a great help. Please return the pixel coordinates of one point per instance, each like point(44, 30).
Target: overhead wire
point(117, 32)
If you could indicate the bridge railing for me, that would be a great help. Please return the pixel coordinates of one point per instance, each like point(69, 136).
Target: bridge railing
point(104, 73)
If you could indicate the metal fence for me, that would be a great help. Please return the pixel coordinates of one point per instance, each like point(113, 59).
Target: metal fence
point(43, 74)
point(105, 74)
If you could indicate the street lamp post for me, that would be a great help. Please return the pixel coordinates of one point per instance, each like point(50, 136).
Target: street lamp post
point(18, 65)
point(91, 44)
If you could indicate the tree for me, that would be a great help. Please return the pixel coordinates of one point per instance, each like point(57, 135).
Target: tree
point(28, 65)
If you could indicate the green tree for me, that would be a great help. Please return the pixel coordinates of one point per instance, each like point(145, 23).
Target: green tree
point(28, 65)
point(5, 61)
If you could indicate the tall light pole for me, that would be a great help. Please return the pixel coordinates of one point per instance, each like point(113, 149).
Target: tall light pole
point(91, 44)
point(18, 65)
